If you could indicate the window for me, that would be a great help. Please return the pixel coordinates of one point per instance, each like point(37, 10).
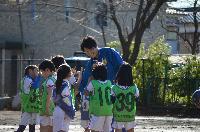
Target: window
point(171, 36)
point(67, 12)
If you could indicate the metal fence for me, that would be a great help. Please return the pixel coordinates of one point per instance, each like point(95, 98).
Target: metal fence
point(159, 91)
point(153, 91)
point(166, 90)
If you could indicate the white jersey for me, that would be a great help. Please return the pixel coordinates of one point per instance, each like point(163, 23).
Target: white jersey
point(27, 84)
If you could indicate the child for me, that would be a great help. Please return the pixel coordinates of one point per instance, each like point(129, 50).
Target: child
point(47, 106)
point(59, 60)
point(100, 105)
point(29, 94)
point(124, 107)
point(64, 110)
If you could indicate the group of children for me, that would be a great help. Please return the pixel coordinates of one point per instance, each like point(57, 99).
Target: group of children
point(110, 106)
point(46, 99)
point(106, 81)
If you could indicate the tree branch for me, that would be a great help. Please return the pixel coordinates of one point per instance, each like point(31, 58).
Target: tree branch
point(146, 10)
point(139, 12)
point(154, 12)
point(78, 8)
point(196, 36)
point(178, 34)
point(114, 18)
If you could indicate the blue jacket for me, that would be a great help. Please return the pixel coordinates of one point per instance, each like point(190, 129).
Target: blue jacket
point(108, 56)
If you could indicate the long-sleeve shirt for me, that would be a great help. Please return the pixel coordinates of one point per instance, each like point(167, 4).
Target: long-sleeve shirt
point(110, 58)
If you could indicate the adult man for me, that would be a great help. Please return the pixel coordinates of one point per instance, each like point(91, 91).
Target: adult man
point(107, 56)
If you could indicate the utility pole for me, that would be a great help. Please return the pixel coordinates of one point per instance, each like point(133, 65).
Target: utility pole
point(22, 37)
point(21, 27)
point(85, 20)
point(3, 72)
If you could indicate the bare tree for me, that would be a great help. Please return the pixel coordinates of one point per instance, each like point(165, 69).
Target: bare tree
point(146, 12)
point(196, 37)
point(194, 42)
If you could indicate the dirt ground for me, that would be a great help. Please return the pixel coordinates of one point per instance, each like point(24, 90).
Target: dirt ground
point(9, 122)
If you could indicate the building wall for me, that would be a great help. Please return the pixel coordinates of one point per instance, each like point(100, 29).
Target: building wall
point(184, 46)
point(49, 33)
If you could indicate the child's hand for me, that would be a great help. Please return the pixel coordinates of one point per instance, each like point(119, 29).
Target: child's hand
point(74, 70)
point(95, 64)
point(80, 72)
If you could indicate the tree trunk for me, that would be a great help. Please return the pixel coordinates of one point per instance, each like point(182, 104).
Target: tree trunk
point(196, 36)
point(103, 35)
point(134, 54)
point(125, 51)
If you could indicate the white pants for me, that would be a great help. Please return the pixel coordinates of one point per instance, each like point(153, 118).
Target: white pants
point(101, 123)
point(60, 120)
point(46, 120)
point(126, 125)
point(29, 118)
point(85, 112)
point(85, 123)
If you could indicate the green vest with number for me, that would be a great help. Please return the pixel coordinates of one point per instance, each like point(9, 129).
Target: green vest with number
point(44, 94)
point(100, 103)
point(30, 101)
point(124, 108)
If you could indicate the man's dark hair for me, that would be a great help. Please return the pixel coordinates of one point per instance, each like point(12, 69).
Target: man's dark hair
point(58, 60)
point(124, 76)
point(88, 42)
point(100, 72)
point(47, 64)
point(32, 67)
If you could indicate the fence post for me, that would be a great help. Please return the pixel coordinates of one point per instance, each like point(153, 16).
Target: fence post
point(165, 83)
point(165, 78)
point(3, 72)
point(143, 82)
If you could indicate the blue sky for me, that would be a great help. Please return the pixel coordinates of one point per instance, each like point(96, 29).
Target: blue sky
point(183, 3)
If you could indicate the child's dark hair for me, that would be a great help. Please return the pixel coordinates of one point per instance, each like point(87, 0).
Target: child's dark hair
point(47, 64)
point(32, 67)
point(100, 72)
point(124, 76)
point(88, 42)
point(63, 72)
point(58, 60)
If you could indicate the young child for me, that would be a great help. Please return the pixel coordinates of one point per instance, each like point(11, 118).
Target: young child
point(29, 94)
point(100, 105)
point(59, 60)
point(125, 93)
point(64, 110)
point(47, 69)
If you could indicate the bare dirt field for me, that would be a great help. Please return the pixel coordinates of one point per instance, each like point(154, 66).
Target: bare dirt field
point(9, 122)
